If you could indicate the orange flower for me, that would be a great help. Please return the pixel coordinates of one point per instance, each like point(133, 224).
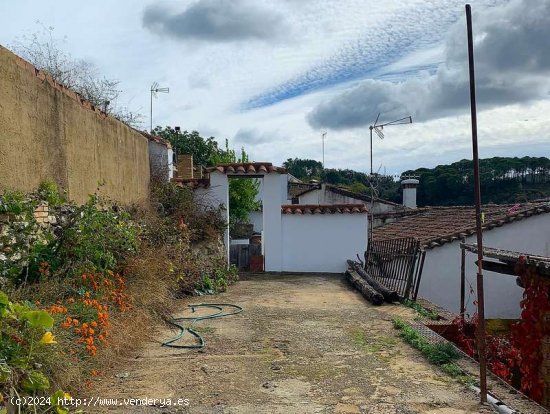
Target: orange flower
point(94, 324)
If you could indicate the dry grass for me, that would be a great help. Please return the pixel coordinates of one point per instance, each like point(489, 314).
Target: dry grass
point(150, 287)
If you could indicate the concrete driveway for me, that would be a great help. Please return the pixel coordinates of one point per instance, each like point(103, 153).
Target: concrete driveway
point(304, 344)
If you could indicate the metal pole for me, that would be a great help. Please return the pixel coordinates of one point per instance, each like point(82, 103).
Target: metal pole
point(371, 127)
point(323, 135)
point(151, 118)
point(462, 278)
point(480, 294)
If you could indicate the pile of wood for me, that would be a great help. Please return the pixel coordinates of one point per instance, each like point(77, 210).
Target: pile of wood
point(375, 292)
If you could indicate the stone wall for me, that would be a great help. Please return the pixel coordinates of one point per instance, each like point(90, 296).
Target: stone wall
point(48, 132)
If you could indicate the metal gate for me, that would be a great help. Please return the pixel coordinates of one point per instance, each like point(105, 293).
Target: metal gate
point(397, 264)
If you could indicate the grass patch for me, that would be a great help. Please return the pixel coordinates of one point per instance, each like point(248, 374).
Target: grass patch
point(204, 329)
point(441, 354)
point(426, 313)
point(376, 344)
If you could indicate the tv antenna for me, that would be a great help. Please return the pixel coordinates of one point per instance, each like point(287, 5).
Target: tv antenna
point(378, 128)
point(154, 90)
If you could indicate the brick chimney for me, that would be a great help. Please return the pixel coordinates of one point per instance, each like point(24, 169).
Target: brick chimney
point(409, 192)
point(185, 166)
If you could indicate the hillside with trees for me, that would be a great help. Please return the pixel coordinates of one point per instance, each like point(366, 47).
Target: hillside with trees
point(503, 180)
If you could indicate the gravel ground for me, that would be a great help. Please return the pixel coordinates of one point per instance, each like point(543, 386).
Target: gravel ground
point(304, 344)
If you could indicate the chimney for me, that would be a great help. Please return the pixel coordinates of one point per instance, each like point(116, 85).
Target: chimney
point(185, 166)
point(409, 192)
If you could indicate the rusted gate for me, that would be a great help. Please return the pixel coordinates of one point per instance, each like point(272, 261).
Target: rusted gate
point(397, 264)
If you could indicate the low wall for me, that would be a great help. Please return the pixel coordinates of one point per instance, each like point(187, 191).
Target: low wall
point(48, 132)
point(322, 242)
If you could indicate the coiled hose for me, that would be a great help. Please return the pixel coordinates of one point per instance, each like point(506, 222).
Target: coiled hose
point(219, 313)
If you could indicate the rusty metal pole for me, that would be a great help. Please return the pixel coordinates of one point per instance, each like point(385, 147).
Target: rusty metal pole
point(480, 295)
point(462, 278)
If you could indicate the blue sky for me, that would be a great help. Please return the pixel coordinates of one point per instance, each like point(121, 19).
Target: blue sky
point(272, 75)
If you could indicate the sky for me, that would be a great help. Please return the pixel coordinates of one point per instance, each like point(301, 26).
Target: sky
point(273, 75)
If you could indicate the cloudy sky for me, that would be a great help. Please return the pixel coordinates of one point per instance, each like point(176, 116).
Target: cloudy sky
point(272, 75)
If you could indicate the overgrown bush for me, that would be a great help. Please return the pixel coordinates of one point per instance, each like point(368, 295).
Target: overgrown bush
point(102, 274)
point(182, 209)
point(25, 341)
point(97, 237)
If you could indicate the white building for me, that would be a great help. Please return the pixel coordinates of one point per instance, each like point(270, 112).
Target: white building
point(161, 158)
point(521, 227)
point(295, 238)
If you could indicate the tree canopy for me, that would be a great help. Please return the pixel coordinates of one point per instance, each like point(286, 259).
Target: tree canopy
point(503, 180)
point(206, 152)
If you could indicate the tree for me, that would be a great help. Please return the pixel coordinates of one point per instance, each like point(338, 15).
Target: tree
point(46, 53)
point(205, 151)
point(242, 191)
point(303, 169)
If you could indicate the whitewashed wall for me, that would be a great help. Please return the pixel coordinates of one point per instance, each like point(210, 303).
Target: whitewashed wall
point(257, 220)
point(322, 242)
point(161, 160)
point(441, 276)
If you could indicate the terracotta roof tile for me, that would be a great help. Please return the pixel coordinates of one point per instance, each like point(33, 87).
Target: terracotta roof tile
point(435, 226)
point(358, 196)
point(299, 189)
point(156, 139)
point(247, 168)
point(191, 182)
point(323, 209)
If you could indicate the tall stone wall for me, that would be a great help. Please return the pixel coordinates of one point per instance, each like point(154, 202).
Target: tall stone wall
point(48, 132)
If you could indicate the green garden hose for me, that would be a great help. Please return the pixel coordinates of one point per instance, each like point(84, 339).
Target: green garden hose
point(176, 323)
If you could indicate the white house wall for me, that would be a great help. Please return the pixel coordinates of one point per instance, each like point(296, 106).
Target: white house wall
point(322, 242)
point(161, 161)
point(311, 197)
point(256, 218)
point(274, 194)
point(441, 276)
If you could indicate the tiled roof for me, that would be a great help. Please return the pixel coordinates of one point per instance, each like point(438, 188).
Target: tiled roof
point(247, 168)
point(192, 182)
point(435, 226)
point(298, 189)
point(358, 196)
point(156, 139)
point(323, 208)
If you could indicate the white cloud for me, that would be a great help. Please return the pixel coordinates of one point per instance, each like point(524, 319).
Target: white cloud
point(511, 68)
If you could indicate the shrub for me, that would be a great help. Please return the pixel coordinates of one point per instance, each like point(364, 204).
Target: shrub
point(97, 238)
point(25, 339)
point(49, 192)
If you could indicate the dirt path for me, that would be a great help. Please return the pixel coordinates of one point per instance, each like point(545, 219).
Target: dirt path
point(304, 344)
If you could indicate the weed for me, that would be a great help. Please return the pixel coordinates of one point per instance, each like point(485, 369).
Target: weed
point(49, 192)
point(426, 313)
point(440, 354)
